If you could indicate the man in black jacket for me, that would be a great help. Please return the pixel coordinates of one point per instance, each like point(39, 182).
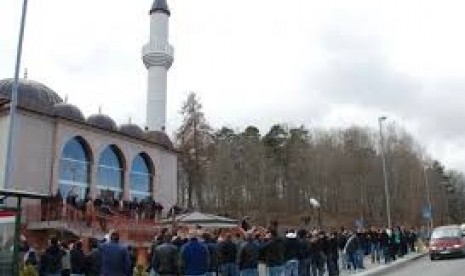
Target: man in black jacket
point(333, 254)
point(248, 257)
point(50, 263)
point(304, 253)
point(227, 254)
point(165, 258)
point(291, 254)
point(93, 259)
point(78, 265)
point(272, 252)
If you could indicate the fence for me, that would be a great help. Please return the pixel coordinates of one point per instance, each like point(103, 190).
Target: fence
point(92, 224)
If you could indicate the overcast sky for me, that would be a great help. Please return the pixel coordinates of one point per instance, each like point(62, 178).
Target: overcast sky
point(260, 62)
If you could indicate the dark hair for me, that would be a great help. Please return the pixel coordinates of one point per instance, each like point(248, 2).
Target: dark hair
point(93, 243)
point(54, 241)
point(114, 236)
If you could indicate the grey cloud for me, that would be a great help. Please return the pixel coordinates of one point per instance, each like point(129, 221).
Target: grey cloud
point(356, 72)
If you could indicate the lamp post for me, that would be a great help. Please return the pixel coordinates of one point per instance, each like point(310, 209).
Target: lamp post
point(386, 185)
point(14, 100)
point(316, 204)
point(428, 198)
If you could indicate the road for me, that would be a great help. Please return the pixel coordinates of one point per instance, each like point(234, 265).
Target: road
point(425, 267)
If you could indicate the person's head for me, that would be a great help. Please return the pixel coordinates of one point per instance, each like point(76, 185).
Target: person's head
point(114, 237)
point(54, 241)
point(78, 245)
point(273, 233)
point(65, 245)
point(93, 242)
point(167, 238)
point(206, 237)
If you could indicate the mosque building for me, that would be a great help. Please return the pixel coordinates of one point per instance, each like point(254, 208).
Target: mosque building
point(60, 151)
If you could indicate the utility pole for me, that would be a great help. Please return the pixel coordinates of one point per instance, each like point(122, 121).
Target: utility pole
point(428, 198)
point(14, 102)
point(386, 184)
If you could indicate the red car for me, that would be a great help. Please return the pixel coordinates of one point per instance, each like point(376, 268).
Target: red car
point(447, 241)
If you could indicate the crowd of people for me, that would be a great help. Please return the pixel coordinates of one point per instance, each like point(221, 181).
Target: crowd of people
point(97, 211)
point(230, 253)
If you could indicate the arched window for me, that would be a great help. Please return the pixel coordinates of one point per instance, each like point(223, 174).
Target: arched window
point(141, 177)
point(74, 178)
point(110, 173)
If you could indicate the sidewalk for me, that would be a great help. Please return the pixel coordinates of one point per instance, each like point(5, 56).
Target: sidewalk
point(379, 269)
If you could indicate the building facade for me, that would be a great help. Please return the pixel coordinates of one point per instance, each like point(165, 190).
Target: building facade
point(58, 150)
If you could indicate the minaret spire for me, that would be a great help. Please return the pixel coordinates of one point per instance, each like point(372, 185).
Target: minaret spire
point(158, 57)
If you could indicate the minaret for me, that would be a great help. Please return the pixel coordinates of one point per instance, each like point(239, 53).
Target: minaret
point(157, 55)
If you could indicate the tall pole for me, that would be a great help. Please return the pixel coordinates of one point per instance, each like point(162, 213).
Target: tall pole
point(428, 198)
point(386, 185)
point(14, 101)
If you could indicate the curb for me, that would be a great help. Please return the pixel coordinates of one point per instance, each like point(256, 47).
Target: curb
point(395, 265)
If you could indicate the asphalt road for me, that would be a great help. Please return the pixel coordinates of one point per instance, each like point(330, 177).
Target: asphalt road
point(425, 267)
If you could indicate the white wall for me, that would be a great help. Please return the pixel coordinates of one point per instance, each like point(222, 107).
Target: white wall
point(33, 153)
point(3, 143)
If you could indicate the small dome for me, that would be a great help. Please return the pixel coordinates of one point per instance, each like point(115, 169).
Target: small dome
point(68, 111)
point(31, 94)
point(131, 130)
point(102, 121)
point(160, 138)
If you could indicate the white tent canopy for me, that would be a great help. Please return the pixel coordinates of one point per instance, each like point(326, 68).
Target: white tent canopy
point(205, 220)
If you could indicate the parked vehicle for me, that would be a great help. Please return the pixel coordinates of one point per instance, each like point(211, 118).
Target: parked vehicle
point(447, 241)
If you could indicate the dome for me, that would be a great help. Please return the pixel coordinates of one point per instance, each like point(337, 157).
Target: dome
point(131, 130)
point(68, 111)
point(31, 94)
point(160, 138)
point(102, 121)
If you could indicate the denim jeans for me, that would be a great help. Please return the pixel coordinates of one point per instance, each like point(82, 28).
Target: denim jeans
point(375, 252)
point(291, 268)
point(249, 272)
point(351, 260)
point(229, 269)
point(305, 267)
point(387, 254)
point(359, 258)
point(275, 271)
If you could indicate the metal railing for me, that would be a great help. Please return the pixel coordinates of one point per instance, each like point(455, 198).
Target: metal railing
point(159, 46)
point(91, 223)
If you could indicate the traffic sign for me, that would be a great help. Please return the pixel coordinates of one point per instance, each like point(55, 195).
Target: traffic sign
point(426, 212)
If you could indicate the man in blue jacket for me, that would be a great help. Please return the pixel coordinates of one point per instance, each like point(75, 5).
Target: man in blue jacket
point(115, 258)
point(193, 257)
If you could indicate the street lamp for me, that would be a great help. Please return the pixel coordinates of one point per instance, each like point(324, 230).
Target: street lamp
point(316, 204)
point(13, 102)
point(428, 198)
point(386, 185)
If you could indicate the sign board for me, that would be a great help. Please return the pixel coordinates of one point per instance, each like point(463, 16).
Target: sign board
point(426, 212)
